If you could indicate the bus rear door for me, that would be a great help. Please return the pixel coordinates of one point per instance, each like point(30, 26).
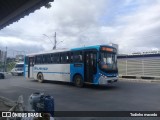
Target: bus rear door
point(90, 67)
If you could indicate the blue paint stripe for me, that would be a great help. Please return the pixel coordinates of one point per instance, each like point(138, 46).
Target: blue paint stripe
point(54, 72)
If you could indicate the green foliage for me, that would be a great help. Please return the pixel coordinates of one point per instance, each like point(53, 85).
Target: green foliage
point(10, 66)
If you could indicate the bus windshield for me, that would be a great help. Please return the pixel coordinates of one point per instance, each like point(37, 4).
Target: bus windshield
point(19, 65)
point(108, 60)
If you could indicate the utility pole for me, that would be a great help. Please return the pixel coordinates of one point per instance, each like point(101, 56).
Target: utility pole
point(5, 61)
point(55, 42)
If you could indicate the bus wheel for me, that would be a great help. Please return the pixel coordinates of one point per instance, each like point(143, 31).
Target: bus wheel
point(78, 81)
point(40, 78)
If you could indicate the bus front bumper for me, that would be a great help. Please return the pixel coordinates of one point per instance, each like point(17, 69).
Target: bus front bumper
point(107, 80)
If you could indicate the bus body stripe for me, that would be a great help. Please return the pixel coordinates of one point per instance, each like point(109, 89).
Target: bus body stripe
point(52, 72)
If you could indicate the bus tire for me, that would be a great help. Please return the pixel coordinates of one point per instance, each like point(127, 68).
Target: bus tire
point(78, 81)
point(40, 78)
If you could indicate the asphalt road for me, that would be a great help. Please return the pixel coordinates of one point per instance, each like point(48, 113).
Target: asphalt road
point(122, 96)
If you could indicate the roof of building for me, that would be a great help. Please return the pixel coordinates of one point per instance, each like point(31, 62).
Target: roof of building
point(138, 56)
point(13, 10)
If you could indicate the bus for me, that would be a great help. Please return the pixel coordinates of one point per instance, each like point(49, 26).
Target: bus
point(92, 64)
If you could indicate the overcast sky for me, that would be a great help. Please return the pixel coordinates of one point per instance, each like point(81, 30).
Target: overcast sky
point(132, 24)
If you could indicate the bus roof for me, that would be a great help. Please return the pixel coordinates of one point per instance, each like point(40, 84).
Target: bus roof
point(72, 49)
point(51, 51)
point(91, 47)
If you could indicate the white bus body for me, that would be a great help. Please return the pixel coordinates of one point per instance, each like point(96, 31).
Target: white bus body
point(79, 65)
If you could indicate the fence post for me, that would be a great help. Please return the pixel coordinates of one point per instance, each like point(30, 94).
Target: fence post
point(126, 67)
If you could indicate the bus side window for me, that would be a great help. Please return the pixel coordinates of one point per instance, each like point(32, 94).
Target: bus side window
point(31, 60)
point(51, 58)
point(77, 57)
point(43, 58)
point(67, 57)
point(70, 57)
point(56, 58)
point(35, 59)
point(95, 62)
point(48, 58)
point(39, 59)
point(63, 58)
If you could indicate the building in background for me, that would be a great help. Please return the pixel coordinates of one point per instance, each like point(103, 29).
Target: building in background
point(3, 56)
point(19, 58)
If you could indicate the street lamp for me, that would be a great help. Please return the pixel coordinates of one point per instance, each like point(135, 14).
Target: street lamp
point(54, 44)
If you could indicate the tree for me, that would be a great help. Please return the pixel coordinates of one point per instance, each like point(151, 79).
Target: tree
point(48, 5)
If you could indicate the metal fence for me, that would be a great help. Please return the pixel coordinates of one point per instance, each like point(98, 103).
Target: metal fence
point(148, 66)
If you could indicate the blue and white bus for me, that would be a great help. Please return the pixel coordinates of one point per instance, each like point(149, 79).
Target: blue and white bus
point(93, 64)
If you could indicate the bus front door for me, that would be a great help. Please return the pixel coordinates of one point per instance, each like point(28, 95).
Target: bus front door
point(89, 65)
point(30, 67)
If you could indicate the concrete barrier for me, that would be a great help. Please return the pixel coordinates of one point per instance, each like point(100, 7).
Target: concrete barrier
point(140, 78)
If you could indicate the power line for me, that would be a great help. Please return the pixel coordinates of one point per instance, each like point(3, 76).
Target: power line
point(55, 42)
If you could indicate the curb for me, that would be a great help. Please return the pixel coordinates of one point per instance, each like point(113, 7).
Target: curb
point(140, 77)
